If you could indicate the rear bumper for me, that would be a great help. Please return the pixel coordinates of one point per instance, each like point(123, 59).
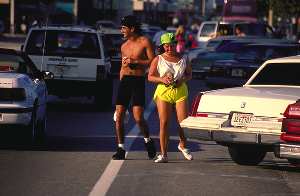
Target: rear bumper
point(15, 116)
point(288, 150)
point(232, 136)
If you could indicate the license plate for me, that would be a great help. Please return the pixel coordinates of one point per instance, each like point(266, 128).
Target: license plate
point(240, 119)
point(1, 117)
point(237, 72)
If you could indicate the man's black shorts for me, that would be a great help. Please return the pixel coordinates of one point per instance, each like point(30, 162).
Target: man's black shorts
point(131, 88)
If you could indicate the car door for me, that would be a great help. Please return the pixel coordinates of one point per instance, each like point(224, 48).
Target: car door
point(36, 86)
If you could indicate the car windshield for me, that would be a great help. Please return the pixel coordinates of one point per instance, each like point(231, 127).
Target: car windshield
point(64, 43)
point(208, 29)
point(278, 74)
point(13, 63)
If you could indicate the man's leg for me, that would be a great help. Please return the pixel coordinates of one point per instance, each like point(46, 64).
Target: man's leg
point(138, 114)
point(120, 112)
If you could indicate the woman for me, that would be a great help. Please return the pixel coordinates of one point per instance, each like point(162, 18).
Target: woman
point(180, 37)
point(170, 70)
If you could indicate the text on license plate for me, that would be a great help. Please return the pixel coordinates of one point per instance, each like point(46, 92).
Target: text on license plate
point(1, 117)
point(241, 119)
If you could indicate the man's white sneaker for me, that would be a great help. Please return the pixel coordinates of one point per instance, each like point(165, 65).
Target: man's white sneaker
point(161, 159)
point(186, 153)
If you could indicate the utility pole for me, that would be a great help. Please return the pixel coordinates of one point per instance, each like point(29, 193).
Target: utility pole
point(75, 12)
point(12, 16)
point(270, 15)
point(203, 7)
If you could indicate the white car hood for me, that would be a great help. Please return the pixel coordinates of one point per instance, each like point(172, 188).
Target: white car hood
point(261, 101)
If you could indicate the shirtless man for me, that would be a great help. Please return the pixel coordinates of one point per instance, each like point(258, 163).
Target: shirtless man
point(137, 54)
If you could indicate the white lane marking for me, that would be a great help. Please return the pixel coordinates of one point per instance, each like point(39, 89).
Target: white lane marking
point(112, 169)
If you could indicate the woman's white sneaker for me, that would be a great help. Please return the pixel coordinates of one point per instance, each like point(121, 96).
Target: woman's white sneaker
point(161, 159)
point(186, 153)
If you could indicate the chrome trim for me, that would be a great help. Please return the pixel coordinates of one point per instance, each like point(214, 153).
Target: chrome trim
point(291, 151)
point(231, 137)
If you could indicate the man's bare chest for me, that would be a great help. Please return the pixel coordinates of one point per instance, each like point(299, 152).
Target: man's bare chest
point(133, 50)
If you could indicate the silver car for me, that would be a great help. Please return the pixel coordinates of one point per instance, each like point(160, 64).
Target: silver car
point(23, 94)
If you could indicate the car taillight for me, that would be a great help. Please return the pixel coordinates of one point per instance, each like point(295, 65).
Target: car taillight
point(12, 94)
point(291, 122)
point(195, 105)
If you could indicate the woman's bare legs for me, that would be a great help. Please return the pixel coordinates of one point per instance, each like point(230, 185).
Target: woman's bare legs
point(164, 112)
point(182, 113)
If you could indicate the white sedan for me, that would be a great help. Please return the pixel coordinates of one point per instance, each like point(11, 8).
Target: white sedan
point(247, 119)
point(23, 94)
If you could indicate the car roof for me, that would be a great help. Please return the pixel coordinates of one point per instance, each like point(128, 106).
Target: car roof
point(66, 28)
point(290, 59)
point(21, 54)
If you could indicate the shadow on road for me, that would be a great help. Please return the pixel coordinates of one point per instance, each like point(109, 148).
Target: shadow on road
point(76, 107)
point(84, 144)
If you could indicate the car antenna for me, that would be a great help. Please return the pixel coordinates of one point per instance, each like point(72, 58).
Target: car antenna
point(44, 42)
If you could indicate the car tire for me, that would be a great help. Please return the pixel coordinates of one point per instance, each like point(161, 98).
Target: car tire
point(40, 134)
point(104, 94)
point(32, 127)
point(246, 154)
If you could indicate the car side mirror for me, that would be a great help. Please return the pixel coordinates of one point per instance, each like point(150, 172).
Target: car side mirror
point(48, 75)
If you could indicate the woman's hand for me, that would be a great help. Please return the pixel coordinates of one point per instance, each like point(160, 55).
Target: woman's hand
point(167, 79)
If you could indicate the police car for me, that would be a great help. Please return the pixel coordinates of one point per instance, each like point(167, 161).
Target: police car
point(78, 58)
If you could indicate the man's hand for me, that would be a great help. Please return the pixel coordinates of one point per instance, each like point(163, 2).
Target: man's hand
point(126, 61)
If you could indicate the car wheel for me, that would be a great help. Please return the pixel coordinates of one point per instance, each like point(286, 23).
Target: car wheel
point(32, 127)
point(40, 133)
point(104, 93)
point(246, 154)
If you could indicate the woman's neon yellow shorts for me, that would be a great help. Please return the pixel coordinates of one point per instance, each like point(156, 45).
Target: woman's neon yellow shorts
point(171, 94)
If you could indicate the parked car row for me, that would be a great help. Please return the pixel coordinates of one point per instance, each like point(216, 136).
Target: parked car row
point(233, 60)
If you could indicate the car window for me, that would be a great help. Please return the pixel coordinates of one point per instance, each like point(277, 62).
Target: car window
point(64, 43)
point(208, 29)
point(248, 54)
point(225, 29)
point(35, 43)
point(14, 63)
point(278, 74)
point(112, 44)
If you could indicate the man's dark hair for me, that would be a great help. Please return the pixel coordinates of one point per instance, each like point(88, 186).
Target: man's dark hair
point(131, 22)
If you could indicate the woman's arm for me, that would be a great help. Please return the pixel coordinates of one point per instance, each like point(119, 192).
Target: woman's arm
point(153, 75)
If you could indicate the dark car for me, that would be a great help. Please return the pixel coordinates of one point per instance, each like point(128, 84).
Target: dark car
point(236, 71)
point(204, 60)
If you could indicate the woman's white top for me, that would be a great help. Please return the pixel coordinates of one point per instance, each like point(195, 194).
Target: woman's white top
point(166, 67)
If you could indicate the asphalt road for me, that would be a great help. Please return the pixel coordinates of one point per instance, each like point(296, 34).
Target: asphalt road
point(76, 160)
